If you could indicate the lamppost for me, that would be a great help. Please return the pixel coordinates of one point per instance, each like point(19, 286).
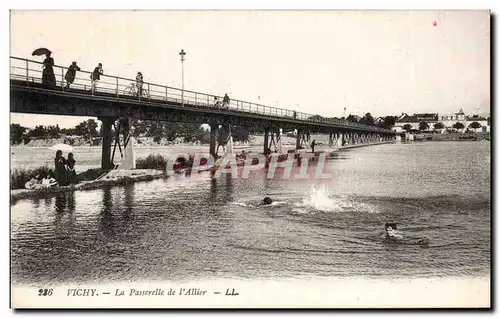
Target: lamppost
point(182, 53)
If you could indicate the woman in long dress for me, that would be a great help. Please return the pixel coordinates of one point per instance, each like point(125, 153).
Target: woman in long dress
point(60, 168)
point(70, 165)
point(48, 76)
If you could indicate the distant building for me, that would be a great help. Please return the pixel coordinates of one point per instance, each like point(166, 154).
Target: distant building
point(447, 121)
point(415, 120)
point(460, 116)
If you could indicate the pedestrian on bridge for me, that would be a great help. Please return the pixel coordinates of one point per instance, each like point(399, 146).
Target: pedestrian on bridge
point(71, 74)
point(48, 76)
point(139, 81)
point(96, 75)
point(225, 101)
point(217, 102)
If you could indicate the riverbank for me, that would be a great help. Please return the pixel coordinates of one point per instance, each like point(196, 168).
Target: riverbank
point(112, 178)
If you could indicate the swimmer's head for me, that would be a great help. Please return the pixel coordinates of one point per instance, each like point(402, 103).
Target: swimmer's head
point(267, 200)
point(390, 229)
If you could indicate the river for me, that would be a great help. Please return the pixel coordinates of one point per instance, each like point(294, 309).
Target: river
point(184, 228)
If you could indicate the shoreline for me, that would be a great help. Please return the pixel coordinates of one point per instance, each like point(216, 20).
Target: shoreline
point(113, 178)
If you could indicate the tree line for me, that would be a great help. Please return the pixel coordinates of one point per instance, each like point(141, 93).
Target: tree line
point(422, 126)
point(139, 128)
point(20, 134)
point(382, 122)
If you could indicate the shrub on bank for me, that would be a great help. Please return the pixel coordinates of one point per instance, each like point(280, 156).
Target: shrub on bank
point(19, 177)
point(157, 162)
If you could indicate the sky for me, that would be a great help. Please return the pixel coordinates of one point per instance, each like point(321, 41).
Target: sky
point(318, 62)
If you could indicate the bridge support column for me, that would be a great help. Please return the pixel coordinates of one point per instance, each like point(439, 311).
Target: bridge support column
point(330, 140)
point(299, 137)
point(107, 122)
point(279, 144)
point(273, 141)
point(303, 142)
point(213, 139)
point(128, 156)
point(266, 140)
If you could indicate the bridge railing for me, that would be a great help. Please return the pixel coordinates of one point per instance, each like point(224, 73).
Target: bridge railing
point(126, 88)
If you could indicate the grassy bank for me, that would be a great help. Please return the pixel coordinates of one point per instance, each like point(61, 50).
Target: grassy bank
point(88, 185)
point(88, 182)
point(157, 162)
point(18, 177)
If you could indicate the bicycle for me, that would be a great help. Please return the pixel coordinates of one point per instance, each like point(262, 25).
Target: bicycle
point(133, 90)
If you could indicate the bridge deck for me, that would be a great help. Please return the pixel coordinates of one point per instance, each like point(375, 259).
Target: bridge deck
point(26, 75)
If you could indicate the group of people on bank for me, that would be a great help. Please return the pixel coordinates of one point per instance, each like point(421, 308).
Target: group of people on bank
point(64, 173)
point(64, 169)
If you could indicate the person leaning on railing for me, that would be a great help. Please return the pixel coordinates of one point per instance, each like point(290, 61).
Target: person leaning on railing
point(95, 76)
point(71, 74)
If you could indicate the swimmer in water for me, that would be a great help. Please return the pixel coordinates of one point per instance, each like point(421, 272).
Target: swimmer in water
point(266, 201)
point(391, 235)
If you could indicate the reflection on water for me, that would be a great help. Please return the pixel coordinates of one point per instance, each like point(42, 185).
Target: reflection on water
point(199, 227)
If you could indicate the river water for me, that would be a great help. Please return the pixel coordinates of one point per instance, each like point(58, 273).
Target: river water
point(195, 227)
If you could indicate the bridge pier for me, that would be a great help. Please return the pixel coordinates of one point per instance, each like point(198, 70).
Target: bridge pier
point(297, 142)
point(278, 140)
point(107, 122)
point(213, 139)
point(275, 139)
point(340, 139)
point(330, 140)
point(266, 140)
point(272, 141)
point(305, 139)
point(128, 153)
